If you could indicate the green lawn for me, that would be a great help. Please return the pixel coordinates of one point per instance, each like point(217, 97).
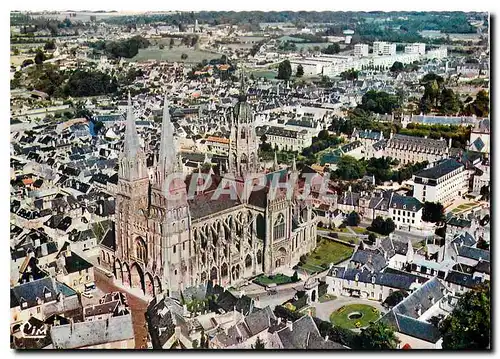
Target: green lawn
point(278, 279)
point(341, 316)
point(174, 54)
point(338, 230)
point(325, 253)
point(360, 230)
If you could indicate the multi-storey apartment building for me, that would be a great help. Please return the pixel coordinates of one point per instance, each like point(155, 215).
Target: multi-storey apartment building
point(415, 48)
point(384, 48)
point(442, 183)
point(361, 50)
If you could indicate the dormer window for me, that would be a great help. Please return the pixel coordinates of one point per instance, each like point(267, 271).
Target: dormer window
point(24, 305)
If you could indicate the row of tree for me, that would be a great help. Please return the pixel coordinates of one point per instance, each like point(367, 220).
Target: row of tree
point(350, 168)
point(438, 98)
point(124, 48)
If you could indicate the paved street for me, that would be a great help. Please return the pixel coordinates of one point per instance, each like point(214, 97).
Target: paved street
point(138, 307)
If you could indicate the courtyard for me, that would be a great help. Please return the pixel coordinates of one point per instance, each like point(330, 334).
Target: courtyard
point(354, 316)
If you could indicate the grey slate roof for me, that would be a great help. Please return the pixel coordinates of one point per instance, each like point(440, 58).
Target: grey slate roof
point(396, 279)
point(464, 239)
point(442, 169)
point(465, 280)
point(473, 253)
point(29, 292)
point(372, 259)
point(404, 316)
point(260, 320)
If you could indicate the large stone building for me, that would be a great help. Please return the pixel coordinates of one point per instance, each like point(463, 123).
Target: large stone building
point(167, 240)
point(410, 149)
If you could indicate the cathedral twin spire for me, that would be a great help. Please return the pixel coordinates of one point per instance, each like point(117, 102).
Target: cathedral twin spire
point(132, 143)
point(167, 158)
point(167, 161)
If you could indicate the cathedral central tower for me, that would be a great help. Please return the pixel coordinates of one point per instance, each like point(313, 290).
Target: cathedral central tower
point(243, 145)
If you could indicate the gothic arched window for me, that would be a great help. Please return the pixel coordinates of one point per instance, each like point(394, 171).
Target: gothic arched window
point(279, 227)
point(141, 250)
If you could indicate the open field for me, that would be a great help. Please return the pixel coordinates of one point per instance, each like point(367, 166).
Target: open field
point(174, 55)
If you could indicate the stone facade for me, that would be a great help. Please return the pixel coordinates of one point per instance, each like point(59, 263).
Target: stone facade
point(167, 241)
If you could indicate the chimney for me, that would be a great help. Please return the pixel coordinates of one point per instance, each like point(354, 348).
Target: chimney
point(279, 320)
point(326, 338)
point(289, 325)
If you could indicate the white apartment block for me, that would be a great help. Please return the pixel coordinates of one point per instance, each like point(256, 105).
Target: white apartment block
point(442, 183)
point(439, 53)
point(384, 48)
point(361, 50)
point(334, 65)
point(416, 48)
point(311, 67)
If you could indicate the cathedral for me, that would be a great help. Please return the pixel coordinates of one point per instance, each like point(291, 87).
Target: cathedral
point(168, 239)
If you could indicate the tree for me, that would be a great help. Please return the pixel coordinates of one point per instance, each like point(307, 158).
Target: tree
point(90, 83)
point(379, 102)
point(348, 168)
point(284, 70)
point(295, 277)
point(27, 62)
point(450, 103)
point(349, 75)
point(395, 298)
point(397, 67)
point(381, 226)
point(372, 237)
point(300, 71)
point(469, 325)
point(50, 45)
point(39, 57)
point(15, 51)
point(331, 49)
point(378, 336)
point(390, 226)
point(482, 244)
point(259, 344)
point(172, 43)
point(433, 212)
point(184, 56)
point(353, 219)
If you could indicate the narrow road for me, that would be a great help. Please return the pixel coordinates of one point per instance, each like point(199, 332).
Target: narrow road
point(137, 306)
